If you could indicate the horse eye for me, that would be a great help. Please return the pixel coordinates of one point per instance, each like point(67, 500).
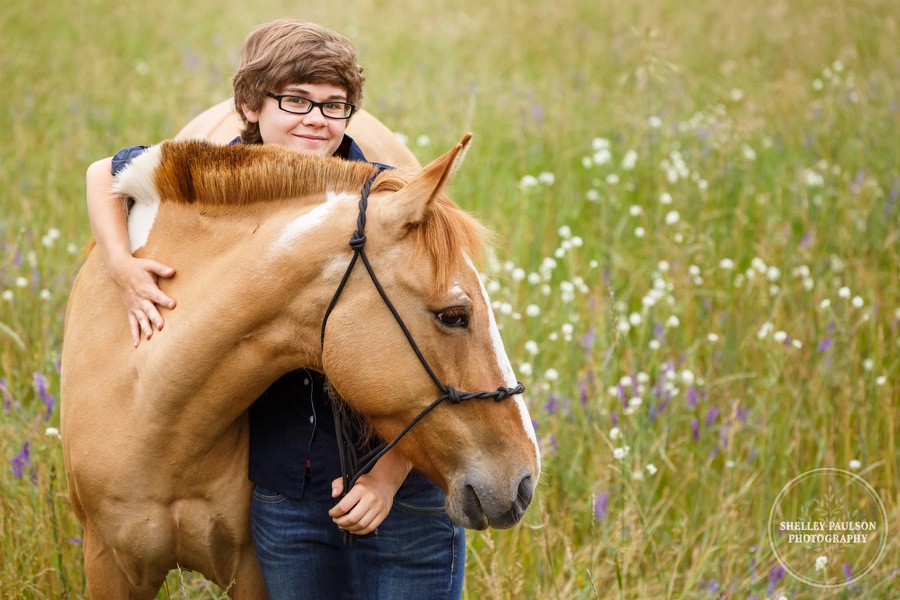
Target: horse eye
point(454, 317)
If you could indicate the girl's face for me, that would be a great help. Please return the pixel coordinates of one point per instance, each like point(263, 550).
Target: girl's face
point(312, 133)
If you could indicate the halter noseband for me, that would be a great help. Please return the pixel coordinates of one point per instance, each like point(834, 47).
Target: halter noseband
point(347, 457)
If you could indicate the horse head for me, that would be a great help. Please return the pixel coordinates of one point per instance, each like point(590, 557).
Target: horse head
point(483, 452)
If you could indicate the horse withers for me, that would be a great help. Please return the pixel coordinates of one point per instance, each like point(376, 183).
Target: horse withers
point(155, 437)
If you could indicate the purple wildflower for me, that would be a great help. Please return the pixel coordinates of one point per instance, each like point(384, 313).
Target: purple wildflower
point(695, 429)
point(824, 345)
point(711, 416)
point(614, 417)
point(691, 397)
point(583, 389)
point(601, 505)
point(659, 332)
point(713, 586)
point(892, 198)
point(858, 180)
point(7, 396)
point(76, 541)
point(775, 576)
point(552, 404)
point(49, 401)
point(848, 571)
point(806, 242)
point(588, 341)
point(743, 413)
point(20, 461)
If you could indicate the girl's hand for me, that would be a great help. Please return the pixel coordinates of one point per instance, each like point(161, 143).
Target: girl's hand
point(368, 503)
point(365, 507)
point(136, 279)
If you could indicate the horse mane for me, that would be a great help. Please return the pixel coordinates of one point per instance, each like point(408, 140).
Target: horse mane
point(202, 173)
point(199, 172)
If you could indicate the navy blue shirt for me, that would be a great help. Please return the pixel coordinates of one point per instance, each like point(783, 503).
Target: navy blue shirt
point(292, 435)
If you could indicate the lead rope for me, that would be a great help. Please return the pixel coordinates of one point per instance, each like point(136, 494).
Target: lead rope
point(348, 458)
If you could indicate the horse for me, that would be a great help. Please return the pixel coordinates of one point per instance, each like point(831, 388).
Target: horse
point(220, 123)
point(155, 438)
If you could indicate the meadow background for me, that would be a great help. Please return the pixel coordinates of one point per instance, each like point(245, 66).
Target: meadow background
point(698, 273)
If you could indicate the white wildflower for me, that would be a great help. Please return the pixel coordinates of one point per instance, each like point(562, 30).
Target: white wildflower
point(855, 465)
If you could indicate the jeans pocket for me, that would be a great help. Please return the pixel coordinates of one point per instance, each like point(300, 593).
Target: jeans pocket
point(426, 502)
point(267, 496)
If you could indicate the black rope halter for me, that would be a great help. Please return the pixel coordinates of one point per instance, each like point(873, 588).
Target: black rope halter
point(350, 472)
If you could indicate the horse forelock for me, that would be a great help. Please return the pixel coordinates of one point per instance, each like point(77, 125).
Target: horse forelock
point(202, 173)
point(450, 237)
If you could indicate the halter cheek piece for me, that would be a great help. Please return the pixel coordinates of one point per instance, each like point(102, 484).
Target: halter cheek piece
point(350, 472)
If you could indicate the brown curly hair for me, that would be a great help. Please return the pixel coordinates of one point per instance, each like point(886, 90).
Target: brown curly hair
point(287, 51)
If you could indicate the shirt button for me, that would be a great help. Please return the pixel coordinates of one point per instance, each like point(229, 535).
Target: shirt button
point(312, 419)
point(306, 381)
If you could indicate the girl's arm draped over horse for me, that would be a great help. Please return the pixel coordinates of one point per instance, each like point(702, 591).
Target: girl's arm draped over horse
point(368, 503)
point(135, 278)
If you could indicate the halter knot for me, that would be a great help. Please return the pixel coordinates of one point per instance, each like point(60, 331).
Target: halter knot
point(453, 395)
point(503, 392)
point(357, 241)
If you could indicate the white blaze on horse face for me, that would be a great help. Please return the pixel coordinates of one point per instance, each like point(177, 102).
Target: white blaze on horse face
point(506, 368)
point(299, 226)
point(136, 181)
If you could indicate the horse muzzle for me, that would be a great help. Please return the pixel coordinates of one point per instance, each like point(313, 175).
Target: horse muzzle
point(479, 501)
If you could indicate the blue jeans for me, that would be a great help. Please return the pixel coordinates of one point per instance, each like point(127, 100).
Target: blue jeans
point(419, 553)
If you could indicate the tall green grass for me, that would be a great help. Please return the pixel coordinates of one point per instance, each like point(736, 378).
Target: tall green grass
point(696, 201)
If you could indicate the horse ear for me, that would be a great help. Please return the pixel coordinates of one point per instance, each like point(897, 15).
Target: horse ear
point(410, 203)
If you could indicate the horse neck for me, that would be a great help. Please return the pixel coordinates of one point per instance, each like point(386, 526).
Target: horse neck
point(251, 287)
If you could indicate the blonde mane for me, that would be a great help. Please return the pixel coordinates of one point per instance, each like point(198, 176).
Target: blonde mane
point(198, 172)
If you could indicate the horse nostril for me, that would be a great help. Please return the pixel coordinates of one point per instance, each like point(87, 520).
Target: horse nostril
point(526, 491)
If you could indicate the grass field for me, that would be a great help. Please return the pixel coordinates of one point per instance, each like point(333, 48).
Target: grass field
point(698, 274)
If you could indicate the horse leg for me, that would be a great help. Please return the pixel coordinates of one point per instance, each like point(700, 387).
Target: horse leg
point(105, 579)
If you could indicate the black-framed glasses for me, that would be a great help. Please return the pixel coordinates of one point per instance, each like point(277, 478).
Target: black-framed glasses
point(299, 105)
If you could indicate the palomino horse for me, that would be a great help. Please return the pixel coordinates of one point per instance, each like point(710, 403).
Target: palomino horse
point(221, 124)
point(155, 437)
